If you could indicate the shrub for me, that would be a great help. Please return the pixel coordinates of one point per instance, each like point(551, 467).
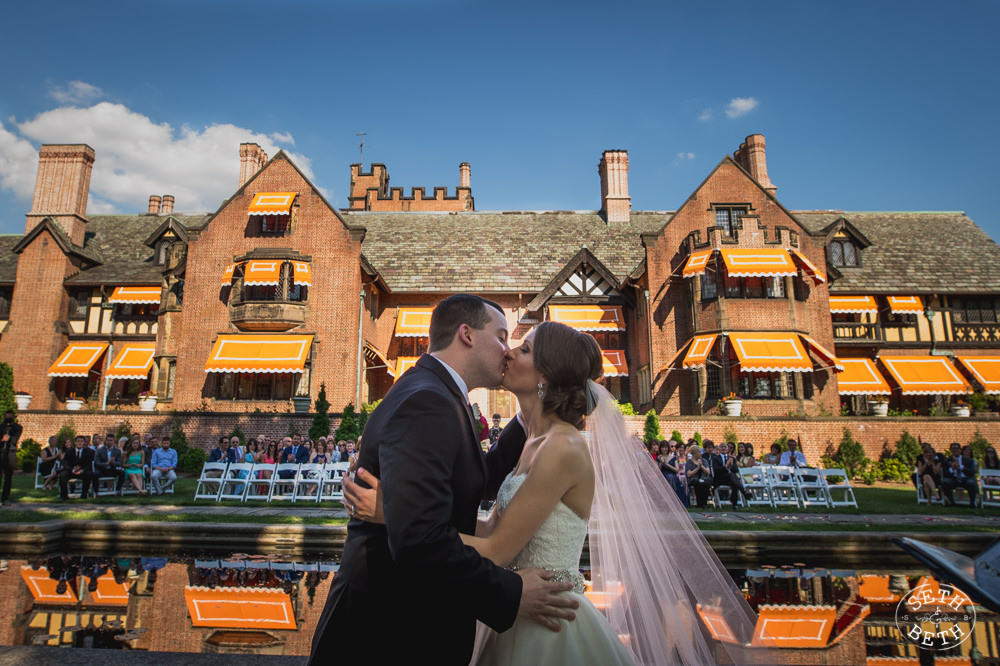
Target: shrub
point(851, 455)
point(729, 436)
point(978, 401)
point(238, 433)
point(782, 441)
point(28, 454)
point(348, 428)
point(894, 470)
point(67, 431)
point(123, 430)
point(366, 411)
point(651, 432)
point(321, 422)
point(7, 389)
point(697, 438)
point(979, 445)
point(178, 440)
point(192, 460)
point(676, 436)
point(907, 450)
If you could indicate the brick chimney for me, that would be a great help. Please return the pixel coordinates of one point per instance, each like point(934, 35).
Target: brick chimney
point(167, 207)
point(465, 175)
point(252, 159)
point(752, 157)
point(154, 204)
point(62, 188)
point(615, 201)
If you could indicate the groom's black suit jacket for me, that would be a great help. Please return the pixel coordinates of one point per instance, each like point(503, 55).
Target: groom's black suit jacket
point(409, 591)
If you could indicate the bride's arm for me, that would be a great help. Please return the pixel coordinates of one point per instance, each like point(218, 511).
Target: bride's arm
point(557, 468)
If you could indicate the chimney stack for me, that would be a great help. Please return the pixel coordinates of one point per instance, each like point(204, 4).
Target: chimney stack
point(62, 188)
point(167, 205)
point(464, 175)
point(615, 201)
point(154, 204)
point(752, 157)
point(252, 159)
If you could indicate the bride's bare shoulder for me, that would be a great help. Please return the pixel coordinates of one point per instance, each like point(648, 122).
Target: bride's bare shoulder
point(563, 446)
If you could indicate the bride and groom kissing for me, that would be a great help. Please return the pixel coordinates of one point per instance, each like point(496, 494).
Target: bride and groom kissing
point(422, 569)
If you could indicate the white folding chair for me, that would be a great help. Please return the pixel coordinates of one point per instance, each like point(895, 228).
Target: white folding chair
point(331, 488)
point(39, 479)
point(812, 490)
point(235, 482)
point(261, 479)
point(781, 481)
point(989, 487)
point(755, 483)
point(309, 478)
point(922, 498)
point(841, 487)
point(283, 488)
point(210, 481)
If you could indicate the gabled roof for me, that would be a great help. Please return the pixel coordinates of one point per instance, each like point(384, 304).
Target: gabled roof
point(581, 258)
point(914, 253)
point(8, 258)
point(89, 252)
point(495, 252)
point(169, 224)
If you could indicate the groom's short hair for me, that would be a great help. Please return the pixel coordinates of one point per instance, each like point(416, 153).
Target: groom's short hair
point(454, 311)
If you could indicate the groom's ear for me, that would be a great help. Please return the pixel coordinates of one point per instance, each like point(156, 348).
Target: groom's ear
point(464, 335)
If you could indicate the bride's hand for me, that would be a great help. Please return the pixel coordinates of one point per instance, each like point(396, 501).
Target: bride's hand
point(363, 503)
point(541, 601)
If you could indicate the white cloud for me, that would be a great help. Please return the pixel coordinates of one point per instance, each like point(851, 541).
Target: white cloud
point(706, 115)
point(137, 157)
point(739, 106)
point(685, 156)
point(76, 92)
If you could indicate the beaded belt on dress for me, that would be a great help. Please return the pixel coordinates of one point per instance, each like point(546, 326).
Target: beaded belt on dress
point(565, 576)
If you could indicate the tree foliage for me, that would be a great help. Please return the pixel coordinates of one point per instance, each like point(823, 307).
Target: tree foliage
point(348, 428)
point(651, 431)
point(321, 422)
point(7, 389)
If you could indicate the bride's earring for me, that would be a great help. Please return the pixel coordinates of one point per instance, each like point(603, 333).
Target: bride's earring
point(541, 390)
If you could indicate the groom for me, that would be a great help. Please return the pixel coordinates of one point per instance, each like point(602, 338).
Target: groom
point(409, 590)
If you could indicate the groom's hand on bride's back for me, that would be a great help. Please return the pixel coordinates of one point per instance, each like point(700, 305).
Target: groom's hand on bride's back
point(541, 601)
point(360, 502)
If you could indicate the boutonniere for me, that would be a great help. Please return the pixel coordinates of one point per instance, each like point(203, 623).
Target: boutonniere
point(484, 426)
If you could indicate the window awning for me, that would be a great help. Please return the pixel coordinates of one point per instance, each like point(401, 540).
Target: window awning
point(133, 361)
point(861, 377)
point(824, 353)
point(271, 203)
point(302, 274)
point(263, 271)
point(808, 267)
point(986, 370)
point(378, 359)
point(589, 317)
point(847, 304)
point(259, 353)
point(109, 592)
point(697, 263)
point(150, 294)
point(43, 588)
point(795, 626)
point(770, 352)
point(240, 607)
point(413, 322)
point(697, 355)
point(227, 275)
point(77, 359)
point(614, 363)
point(926, 375)
point(763, 262)
point(404, 363)
point(906, 305)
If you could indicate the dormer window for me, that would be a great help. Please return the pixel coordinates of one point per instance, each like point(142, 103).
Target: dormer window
point(843, 252)
point(274, 210)
point(273, 224)
point(728, 217)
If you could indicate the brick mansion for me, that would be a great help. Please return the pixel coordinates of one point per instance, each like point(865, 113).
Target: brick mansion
point(278, 292)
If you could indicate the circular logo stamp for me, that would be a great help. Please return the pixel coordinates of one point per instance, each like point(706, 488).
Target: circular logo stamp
point(933, 616)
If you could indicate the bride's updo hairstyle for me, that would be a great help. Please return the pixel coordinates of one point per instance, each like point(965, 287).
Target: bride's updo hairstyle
point(566, 358)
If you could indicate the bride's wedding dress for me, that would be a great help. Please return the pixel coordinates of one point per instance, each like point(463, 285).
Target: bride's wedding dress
point(588, 639)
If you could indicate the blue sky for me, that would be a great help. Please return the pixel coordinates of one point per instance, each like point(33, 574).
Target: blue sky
point(865, 105)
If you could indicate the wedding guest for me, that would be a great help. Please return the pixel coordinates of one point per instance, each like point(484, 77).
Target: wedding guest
point(699, 477)
point(223, 452)
point(929, 468)
point(670, 468)
point(990, 461)
point(135, 466)
point(164, 465)
point(793, 457)
point(960, 471)
point(774, 457)
point(744, 455)
point(77, 464)
point(237, 446)
point(10, 434)
point(48, 467)
point(108, 462)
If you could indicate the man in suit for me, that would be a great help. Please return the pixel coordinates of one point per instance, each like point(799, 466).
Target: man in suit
point(10, 434)
point(78, 464)
point(223, 452)
point(723, 466)
point(960, 471)
point(108, 462)
point(409, 589)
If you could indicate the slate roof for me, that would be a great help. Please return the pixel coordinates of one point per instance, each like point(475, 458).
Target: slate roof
point(915, 253)
point(8, 260)
point(495, 252)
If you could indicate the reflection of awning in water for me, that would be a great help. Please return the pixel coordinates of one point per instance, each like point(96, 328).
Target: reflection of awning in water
point(57, 623)
point(109, 592)
point(240, 607)
point(43, 588)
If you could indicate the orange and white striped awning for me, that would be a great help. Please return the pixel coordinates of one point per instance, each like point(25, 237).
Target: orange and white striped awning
point(589, 317)
point(240, 607)
point(847, 304)
point(926, 375)
point(697, 263)
point(906, 304)
point(745, 262)
point(109, 592)
point(77, 359)
point(824, 353)
point(986, 370)
point(263, 271)
point(133, 361)
point(272, 203)
point(808, 267)
point(770, 352)
point(413, 322)
point(43, 588)
point(302, 273)
point(698, 351)
point(614, 363)
point(229, 273)
point(875, 589)
point(795, 626)
point(259, 353)
point(148, 294)
point(404, 363)
point(378, 359)
point(715, 622)
point(861, 377)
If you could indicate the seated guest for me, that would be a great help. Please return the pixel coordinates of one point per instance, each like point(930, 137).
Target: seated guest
point(348, 454)
point(108, 461)
point(793, 457)
point(164, 465)
point(48, 467)
point(77, 464)
point(670, 468)
point(699, 478)
point(929, 468)
point(774, 457)
point(135, 466)
point(960, 471)
point(292, 452)
point(744, 455)
point(223, 452)
point(990, 461)
point(723, 466)
point(236, 445)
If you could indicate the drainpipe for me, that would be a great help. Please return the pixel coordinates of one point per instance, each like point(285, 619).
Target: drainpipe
point(111, 351)
point(361, 337)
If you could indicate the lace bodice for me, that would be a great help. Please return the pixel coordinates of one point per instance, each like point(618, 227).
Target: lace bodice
point(558, 542)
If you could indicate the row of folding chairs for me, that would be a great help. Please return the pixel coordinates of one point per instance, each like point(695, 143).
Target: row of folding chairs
point(989, 490)
point(782, 485)
point(102, 485)
point(293, 482)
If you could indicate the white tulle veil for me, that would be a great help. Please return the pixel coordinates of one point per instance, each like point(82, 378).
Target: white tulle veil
point(647, 553)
